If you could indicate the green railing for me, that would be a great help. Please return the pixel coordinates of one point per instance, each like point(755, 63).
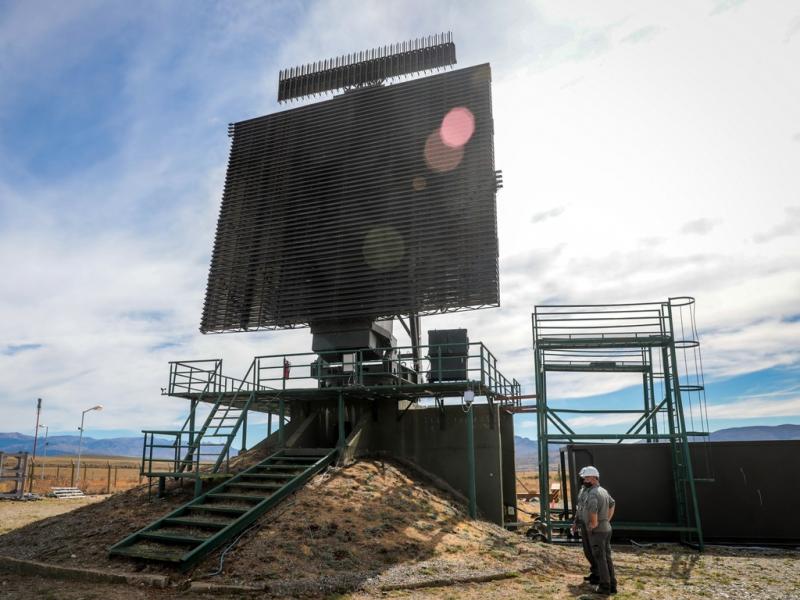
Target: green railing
point(199, 380)
point(439, 364)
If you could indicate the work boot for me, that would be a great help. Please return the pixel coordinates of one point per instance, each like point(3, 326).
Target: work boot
point(592, 579)
point(603, 590)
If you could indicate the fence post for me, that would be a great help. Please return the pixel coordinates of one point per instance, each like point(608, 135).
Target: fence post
point(116, 473)
point(58, 475)
point(72, 474)
point(108, 478)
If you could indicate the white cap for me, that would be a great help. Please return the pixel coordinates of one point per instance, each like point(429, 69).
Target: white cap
point(589, 472)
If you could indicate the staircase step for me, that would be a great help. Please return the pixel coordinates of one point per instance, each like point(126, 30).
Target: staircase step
point(133, 552)
point(195, 522)
point(257, 486)
point(271, 467)
point(171, 539)
point(228, 496)
point(233, 510)
point(273, 476)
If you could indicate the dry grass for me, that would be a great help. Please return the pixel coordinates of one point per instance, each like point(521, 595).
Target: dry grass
point(16, 514)
point(98, 474)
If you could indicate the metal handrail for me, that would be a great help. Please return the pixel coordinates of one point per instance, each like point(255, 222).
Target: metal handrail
point(353, 367)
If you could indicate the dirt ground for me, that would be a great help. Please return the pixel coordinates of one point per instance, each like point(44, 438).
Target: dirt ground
point(665, 573)
point(15, 514)
point(365, 527)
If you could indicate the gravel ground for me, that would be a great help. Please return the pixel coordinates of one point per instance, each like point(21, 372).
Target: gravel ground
point(663, 572)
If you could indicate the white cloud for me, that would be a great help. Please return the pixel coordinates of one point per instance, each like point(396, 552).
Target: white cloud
point(689, 126)
point(755, 409)
point(587, 421)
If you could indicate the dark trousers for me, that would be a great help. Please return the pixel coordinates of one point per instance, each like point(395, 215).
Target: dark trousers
point(600, 542)
point(587, 548)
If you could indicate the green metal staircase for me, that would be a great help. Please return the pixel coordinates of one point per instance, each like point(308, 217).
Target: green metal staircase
point(199, 453)
point(202, 525)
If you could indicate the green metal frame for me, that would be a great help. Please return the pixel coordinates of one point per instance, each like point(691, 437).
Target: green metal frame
point(612, 339)
point(398, 380)
point(205, 384)
point(203, 546)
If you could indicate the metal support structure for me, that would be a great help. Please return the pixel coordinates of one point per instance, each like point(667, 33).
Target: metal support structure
point(244, 431)
point(416, 342)
point(473, 503)
point(624, 338)
point(281, 417)
point(340, 413)
point(368, 67)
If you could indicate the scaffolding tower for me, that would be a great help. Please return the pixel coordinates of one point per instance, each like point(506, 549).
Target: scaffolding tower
point(655, 339)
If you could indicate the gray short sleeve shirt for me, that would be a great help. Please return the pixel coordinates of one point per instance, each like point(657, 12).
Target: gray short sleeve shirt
point(580, 505)
point(598, 500)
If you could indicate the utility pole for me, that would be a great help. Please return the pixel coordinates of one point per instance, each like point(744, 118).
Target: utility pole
point(44, 454)
point(80, 441)
point(36, 430)
point(35, 440)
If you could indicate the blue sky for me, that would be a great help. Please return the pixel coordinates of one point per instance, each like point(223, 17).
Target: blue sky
point(649, 150)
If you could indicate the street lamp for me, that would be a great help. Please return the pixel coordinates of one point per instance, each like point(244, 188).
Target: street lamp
point(80, 439)
point(44, 454)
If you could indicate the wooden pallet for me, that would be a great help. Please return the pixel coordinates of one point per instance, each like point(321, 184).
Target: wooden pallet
point(67, 492)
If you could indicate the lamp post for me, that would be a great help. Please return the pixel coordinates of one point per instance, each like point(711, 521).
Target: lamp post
point(469, 399)
point(44, 453)
point(80, 439)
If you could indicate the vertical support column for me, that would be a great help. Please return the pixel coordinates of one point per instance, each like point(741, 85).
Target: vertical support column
point(651, 383)
point(684, 440)
point(192, 413)
point(244, 429)
point(281, 416)
point(473, 505)
point(269, 421)
point(541, 430)
point(647, 398)
point(414, 325)
point(340, 418)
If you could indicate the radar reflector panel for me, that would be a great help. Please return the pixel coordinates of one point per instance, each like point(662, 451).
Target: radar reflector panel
point(375, 203)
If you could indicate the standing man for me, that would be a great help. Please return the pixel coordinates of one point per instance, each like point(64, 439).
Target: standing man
point(579, 525)
point(599, 509)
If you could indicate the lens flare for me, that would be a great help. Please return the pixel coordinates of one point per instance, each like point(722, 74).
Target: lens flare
point(457, 127)
point(439, 157)
point(383, 248)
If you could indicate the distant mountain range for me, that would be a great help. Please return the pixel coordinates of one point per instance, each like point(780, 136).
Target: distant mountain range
point(67, 445)
point(526, 450)
point(757, 433)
